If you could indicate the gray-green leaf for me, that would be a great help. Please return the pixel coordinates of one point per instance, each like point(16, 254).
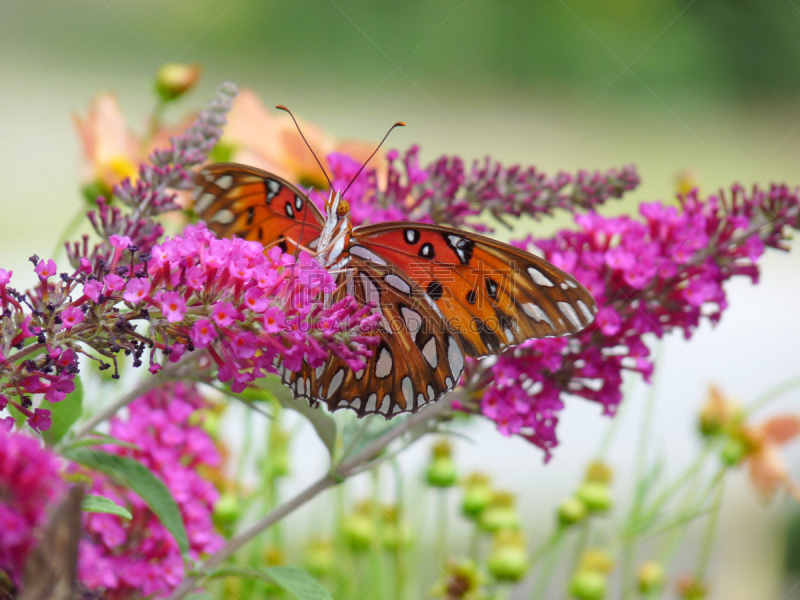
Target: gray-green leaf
point(101, 504)
point(138, 478)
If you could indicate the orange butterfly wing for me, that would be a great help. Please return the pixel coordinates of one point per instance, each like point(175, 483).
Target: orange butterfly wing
point(237, 200)
point(443, 293)
point(492, 294)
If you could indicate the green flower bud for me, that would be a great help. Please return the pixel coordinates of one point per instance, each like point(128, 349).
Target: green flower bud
point(359, 531)
point(508, 560)
point(174, 80)
point(596, 496)
point(320, 558)
point(651, 576)
point(589, 585)
point(500, 514)
point(734, 452)
point(571, 511)
point(462, 581)
point(476, 498)
point(442, 473)
point(227, 511)
point(599, 472)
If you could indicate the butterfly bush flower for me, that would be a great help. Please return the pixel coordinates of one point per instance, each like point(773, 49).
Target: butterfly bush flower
point(447, 193)
point(661, 273)
point(139, 557)
point(136, 293)
point(30, 484)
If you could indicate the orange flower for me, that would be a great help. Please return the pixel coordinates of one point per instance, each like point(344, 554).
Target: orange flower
point(766, 467)
point(270, 141)
point(112, 149)
point(114, 152)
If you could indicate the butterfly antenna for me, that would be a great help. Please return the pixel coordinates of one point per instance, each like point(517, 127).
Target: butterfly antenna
point(282, 107)
point(352, 181)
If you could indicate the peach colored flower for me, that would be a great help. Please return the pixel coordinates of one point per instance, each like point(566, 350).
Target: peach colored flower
point(269, 140)
point(719, 414)
point(113, 151)
point(766, 466)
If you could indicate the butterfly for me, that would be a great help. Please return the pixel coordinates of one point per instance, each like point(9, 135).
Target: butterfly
point(444, 294)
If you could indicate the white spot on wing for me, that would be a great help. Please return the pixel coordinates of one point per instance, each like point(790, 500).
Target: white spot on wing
point(413, 322)
point(585, 310)
point(448, 383)
point(408, 391)
point(385, 403)
point(431, 392)
point(225, 182)
point(320, 370)
point(359, 374)
point(356, 404)
point(225, 217)
point(430, 354)
point(397, 283)
point(454, 356)
point(535, 312)
point(384, 365)
point(372, 403)
point(360, 252)
point(570, 313)
point(335, 382)
point(204, 202)
point(539, 278)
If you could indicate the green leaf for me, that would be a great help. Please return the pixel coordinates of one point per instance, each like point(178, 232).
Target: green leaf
point(100, 504)
point(100, 439)
point(137, 477)
point(295, 581)
point(63, 414)
point(323, 423)
point(298, 582)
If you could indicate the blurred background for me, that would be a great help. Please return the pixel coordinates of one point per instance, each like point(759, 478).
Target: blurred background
point(674, 86)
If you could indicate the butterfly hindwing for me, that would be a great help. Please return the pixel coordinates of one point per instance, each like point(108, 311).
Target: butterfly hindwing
point(236, 200)
point(492, 294)
point(418, 357)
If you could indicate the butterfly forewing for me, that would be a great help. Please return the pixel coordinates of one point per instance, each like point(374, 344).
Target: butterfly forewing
point(235, 200)
point(492, 294)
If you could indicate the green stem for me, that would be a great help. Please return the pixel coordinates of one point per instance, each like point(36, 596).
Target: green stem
point(580, 545)
point(711, 530)
point(441, 525)
point(552, 553)
point(773, 393)
point(613, 427)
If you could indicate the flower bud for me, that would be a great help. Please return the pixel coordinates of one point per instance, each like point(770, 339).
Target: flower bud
point(596, 497)
point(395, 533)
point(174, 80)
point(227, 511)
point(598, 560)
point(733, 452)
point(273, 556)
point(718, 413)
point(508, 560)
point(599, 472)
point(477, 494)
point(462, 581)
point(442, 470)
point(500, 513)
point(589, 585)
point(320, 557)
point(651, 576)
point(691, 589)
point(359, 531)
point(571, 511)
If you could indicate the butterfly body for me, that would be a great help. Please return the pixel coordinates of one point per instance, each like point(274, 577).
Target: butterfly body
point(443, 294)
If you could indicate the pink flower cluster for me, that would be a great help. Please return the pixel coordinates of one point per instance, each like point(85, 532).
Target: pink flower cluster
point(30, 483)
point(139, 557)
point(446, 192)
point(247, 309)
point(655, 275)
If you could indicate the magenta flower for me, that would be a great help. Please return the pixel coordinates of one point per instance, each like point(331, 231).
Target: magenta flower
point(131, 558)
point(71, 316)
point(136, 290)
point(30, 484)
point(173, 306)
point(661, 274)
point(92, 289)
point(203, 333)
point(224, 314)
point(274, 320)
point(46, 270)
